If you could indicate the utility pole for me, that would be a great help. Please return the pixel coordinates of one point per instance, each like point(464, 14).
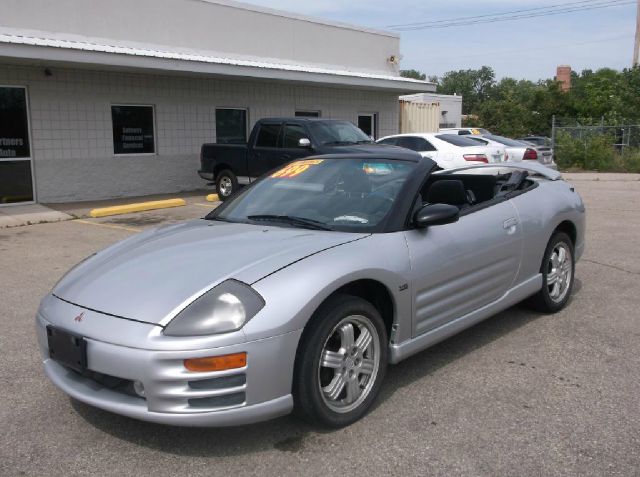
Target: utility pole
point(636, 49)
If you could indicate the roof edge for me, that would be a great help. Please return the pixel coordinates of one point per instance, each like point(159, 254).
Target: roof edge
point(299, 16)
point(30, 48)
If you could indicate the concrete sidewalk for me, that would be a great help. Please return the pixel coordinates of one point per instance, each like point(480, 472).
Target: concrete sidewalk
point(18, 215)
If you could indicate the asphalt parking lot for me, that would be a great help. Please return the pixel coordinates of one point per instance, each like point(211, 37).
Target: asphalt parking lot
point(519, 394)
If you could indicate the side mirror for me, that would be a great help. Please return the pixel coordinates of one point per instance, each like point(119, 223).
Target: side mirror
point(304, 142)
point(436, 214)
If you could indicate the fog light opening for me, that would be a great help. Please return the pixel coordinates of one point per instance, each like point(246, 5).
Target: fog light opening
point(138, 388)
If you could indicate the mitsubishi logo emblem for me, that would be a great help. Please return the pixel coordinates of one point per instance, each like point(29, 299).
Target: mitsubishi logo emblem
point(79, 317)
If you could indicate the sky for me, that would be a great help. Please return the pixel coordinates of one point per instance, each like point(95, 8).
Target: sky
point(522, 49)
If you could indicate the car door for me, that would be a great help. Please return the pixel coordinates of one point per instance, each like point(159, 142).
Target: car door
point(266, 153)
point(460, 267)
point(291, 150)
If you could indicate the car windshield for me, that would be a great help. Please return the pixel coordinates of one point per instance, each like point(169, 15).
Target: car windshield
point(353, 195)
point(460, 141)
point(337, 133)
point(506, 141)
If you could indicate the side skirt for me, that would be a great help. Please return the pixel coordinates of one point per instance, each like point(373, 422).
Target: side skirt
point(398, 352)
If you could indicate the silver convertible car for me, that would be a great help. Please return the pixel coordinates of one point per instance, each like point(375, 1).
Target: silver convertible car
point(299, 291)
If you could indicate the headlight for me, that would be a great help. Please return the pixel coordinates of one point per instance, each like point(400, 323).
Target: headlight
point(224, 308)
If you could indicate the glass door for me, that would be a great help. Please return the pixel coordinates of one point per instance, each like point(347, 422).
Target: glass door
point(367, 122)
point(16, 169)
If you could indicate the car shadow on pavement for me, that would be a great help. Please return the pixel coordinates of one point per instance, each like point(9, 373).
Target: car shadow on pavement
point(291, 434)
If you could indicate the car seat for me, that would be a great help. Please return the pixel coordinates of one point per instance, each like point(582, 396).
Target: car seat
point(450, 192)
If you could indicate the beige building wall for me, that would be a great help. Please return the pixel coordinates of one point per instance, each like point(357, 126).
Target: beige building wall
point(233, 29)
point(72, 138)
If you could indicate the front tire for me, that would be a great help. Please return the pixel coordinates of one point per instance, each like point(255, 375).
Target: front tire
point(226, 184)
point(341, 362)
point(558, 272)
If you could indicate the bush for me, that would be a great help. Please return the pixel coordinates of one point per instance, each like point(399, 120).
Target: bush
point(594, 151)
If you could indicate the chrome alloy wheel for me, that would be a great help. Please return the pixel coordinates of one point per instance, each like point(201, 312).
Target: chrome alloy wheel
point(225, 186)
point(349, 363)
point(559, 272)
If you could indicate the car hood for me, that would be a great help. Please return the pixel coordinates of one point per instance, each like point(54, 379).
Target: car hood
point(154, 274)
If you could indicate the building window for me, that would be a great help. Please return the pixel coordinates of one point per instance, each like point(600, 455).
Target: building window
point(16, 184)
point(133, 129)
point(367, 123)
point(231, 126)
point(307, 114)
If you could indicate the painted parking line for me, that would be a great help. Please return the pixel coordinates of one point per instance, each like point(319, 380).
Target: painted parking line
point(208, 206)
point(109, 226)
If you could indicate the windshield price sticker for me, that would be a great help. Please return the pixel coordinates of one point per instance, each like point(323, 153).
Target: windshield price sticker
point(377, 168)
point(295, 168)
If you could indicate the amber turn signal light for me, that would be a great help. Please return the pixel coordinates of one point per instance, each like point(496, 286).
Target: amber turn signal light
point(216, 363)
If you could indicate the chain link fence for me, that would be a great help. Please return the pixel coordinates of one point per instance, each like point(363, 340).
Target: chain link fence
point(596, 144)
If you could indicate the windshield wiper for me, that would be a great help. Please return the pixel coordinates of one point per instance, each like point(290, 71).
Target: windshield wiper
point(210, 216)
point(299, 221)
point(340, 143)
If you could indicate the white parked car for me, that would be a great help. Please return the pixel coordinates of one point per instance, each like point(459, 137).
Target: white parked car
point(495, 147)
point(521, 150)
point(447, 150)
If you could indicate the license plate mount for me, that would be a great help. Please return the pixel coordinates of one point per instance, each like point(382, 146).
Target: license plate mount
point(67, 348)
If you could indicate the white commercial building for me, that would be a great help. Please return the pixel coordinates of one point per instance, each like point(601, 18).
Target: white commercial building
point(450, 107)
point(111, 98)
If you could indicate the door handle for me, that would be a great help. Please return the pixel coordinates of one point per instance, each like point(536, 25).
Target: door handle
point(510, 223)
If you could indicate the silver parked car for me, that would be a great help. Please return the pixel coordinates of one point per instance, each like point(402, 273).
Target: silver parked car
point(303, 287)
point(521, 150)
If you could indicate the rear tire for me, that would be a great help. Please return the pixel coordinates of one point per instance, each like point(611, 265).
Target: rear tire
point(341, 362)
point(558, 272)
point(226, 184)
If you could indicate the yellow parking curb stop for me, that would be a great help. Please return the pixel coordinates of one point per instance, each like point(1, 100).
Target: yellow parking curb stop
point(139, 207)
point(213, 198)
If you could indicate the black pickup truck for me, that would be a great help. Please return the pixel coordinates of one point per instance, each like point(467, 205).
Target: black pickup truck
point(274, 142)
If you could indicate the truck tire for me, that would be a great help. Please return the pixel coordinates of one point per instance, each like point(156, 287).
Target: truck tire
point(226, 184)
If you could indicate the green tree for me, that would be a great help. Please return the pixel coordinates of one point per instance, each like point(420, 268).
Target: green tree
point(415, 74)
point(473, 85)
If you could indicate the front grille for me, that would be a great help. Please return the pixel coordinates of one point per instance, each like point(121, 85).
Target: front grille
point(219, 392)
point(219, 383)
point(226, 400)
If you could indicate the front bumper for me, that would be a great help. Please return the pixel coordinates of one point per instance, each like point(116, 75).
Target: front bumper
point(173, 395)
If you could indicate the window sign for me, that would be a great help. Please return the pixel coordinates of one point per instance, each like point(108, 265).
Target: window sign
point(231, 126)
point(14, 124)
point(133, 131)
